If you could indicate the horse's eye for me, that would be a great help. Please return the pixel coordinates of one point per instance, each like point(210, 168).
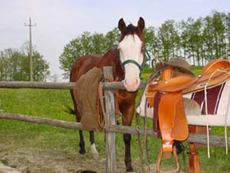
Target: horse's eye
point(143, 48)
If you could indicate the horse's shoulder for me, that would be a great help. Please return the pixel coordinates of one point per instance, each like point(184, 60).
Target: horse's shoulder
point(84, 63)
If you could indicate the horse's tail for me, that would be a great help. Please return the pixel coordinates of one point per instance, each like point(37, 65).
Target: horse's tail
point(68, 109)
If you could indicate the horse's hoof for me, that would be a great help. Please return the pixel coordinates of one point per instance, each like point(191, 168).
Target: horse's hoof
point(93, 151)
point(129, 169)
point(82, 152)
point(95, 156)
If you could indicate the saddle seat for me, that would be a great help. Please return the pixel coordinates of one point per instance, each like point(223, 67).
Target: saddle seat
point(169, 81)
point(214, 73)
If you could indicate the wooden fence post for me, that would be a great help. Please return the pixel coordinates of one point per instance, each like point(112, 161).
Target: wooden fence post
point(111, 165)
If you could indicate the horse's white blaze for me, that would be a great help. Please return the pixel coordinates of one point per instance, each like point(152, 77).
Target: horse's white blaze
point(130, 48)
point(93, 151)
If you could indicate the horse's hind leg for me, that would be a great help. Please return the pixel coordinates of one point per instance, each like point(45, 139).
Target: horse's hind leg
point(93, 149)
point(81, 143)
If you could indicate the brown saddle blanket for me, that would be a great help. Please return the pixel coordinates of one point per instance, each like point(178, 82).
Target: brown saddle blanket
point(85, 94)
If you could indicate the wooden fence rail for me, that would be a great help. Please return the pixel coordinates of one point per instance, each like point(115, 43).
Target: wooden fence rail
point(60, 85)
point(199, 138)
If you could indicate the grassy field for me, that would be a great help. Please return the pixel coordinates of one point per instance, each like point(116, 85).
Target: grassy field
point(47, 149)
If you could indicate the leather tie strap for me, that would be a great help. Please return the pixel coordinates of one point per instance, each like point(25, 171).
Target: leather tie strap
point(156, 127)
point(101, 120)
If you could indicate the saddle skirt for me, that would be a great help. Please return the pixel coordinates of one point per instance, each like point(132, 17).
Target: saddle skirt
point(172, 127)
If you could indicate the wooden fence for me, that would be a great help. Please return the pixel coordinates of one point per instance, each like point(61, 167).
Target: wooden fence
point(110, 129)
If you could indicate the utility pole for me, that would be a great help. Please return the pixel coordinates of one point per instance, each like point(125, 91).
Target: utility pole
point(31, 51)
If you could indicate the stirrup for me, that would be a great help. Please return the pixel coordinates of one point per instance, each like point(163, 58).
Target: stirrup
point(175, 158)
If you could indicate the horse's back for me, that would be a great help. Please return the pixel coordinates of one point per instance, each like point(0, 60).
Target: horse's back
point(83, 64)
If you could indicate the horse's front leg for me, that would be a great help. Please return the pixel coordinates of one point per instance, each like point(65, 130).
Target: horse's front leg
point(93, 149)
point(127, 117)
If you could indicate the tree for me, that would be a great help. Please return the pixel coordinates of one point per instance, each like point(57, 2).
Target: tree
point(40, 67)
point(14, 65)
point(184, 39)
point(5, 69)
point(192, 39)
point(227, 31)
point(169, 39)
point(112, 38)
point(215, 35)
point(208, 37)
point(87, 43)
point(152, 40)
point(219, 34)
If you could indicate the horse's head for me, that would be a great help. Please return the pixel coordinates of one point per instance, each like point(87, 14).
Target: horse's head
point(131, 48)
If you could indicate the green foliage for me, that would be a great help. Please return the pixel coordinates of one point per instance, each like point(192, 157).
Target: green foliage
point(169, 39)
point(87, 43)
point(14, 65)
point(147, 70)
point(152, 43)
point(196, 70)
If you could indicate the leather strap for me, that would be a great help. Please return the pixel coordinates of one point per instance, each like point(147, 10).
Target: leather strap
point(101, 120)
point(156, 126)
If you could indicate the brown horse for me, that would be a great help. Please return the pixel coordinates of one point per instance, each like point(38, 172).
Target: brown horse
point(126, 61)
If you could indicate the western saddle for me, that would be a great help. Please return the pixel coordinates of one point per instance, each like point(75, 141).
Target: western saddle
point(164, 94)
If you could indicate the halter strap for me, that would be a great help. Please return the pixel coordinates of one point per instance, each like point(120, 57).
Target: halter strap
point(140, 67)
point(148, 57)
point(133, 62)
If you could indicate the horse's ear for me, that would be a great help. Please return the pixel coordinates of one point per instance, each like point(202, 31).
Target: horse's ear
point(141, 23)
point(121, 25)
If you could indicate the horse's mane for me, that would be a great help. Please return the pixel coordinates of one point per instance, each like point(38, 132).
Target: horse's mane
point(130, 29)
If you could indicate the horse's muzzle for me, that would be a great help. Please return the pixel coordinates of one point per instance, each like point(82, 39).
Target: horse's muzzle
point(131, 85)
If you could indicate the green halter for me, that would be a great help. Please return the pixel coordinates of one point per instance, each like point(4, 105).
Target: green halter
point(140, 67)
point(133, 62)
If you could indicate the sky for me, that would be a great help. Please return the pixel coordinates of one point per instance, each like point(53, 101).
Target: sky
point(60, 21)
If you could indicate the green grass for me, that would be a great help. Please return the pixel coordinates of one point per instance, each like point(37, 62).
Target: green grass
point(196, 70)
point(50, 103)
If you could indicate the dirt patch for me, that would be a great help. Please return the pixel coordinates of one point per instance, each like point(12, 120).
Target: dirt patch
point(49, 160)
point(33, 160)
